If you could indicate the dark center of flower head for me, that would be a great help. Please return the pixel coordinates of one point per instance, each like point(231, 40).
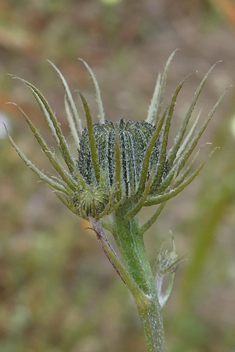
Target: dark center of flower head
point(133, 141)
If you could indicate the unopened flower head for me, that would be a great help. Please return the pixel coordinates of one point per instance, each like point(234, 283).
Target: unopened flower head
point(122, 162)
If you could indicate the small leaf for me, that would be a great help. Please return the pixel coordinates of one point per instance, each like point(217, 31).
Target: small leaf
point(101, 115)
point(91, 136)
point(51, 156)
point(75, 117)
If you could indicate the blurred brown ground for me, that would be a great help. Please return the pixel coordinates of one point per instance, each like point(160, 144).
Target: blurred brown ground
point(57, 291)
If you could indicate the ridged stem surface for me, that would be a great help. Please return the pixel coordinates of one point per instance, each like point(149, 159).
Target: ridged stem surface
point(132, 249)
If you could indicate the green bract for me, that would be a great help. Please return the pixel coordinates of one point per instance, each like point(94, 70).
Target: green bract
point(119, 163)
point(120, 168)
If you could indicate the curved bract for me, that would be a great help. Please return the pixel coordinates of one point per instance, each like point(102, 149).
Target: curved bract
point(119, 162)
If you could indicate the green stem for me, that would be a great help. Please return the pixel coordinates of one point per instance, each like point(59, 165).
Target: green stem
point(132, 249)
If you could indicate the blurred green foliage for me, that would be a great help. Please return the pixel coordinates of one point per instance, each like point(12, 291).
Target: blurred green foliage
point(57, 290)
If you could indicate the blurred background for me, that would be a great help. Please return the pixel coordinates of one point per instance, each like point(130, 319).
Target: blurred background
point(58, 292)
